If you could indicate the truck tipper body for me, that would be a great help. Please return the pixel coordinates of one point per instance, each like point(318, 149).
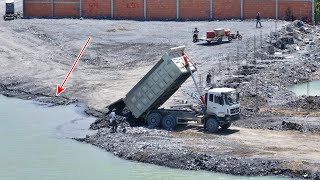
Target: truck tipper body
point(159, 84)
point(220, 105)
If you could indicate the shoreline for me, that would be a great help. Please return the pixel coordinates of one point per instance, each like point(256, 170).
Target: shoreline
point(116, 144)
point(188, 160)
point(168, 156)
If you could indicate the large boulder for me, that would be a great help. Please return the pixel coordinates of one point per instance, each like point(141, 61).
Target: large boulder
point(298, 23)
point(281, 42)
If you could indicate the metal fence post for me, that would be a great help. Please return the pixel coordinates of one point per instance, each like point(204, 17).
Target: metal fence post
point(313, 11)
point(24, 8)
point(261, 39)
point(238, 56)
point(211, 9)
point(241, 9)
point(145, 9)
point(277, 9)
point(247, 51)
point(254, 49)
point(112, 9)
point(52, 8)
point(80, 11)
point(178, 9)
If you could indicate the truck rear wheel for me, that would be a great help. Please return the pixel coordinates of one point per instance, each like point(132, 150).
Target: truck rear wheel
point(212, 125)
point(220, 40)
point(226, 126)
point(154, 120)
point(169, 122)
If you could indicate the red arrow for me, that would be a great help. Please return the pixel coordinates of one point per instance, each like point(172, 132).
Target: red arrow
point(60, 89)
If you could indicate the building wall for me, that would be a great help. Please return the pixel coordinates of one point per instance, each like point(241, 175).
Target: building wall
point(299, 9)
point(70, 9)
point(34, 9)
point(267, 8)
point(194, 9)
point(167, 9)
point(162, 9)
point(128, 9)
point(96, 8)
point(226, 9)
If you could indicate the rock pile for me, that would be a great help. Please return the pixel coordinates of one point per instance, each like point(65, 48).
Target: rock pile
point(294, 36)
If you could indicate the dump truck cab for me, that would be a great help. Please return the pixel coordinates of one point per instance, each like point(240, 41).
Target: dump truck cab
point(223, 107)
point(222, 102)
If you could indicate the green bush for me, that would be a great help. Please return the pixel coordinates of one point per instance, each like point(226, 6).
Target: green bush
point(317, 11)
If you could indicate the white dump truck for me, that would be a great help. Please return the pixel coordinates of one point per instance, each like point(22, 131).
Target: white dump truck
point(220, 105)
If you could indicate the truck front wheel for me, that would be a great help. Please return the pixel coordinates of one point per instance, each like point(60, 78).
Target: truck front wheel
point(154, 120)
point(169, 122)
point(212, 125)
point(226, 126)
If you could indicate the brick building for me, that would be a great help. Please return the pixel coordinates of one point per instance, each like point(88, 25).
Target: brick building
point(170, 9)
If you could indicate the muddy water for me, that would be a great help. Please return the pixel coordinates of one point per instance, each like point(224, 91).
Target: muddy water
point(36, 145)
point(302, 89)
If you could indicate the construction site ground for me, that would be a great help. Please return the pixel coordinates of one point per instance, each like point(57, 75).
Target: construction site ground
point(282, 138)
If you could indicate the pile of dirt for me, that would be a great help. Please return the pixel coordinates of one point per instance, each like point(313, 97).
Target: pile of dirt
point(294, 36)
point(311, 104)
point(269, 81)
point(280, 123)
point(291, 126)
point(105, 123)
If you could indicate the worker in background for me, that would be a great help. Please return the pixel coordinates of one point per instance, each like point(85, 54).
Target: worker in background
point(258, 18)
point(113, 121)
point(195, 35)
point(208, 79)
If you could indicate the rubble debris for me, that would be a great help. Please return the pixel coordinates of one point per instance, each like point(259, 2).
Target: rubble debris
point(281, 42)
point(291, 126)
point(296, 33)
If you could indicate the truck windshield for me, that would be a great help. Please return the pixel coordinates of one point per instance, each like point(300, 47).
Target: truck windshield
point(231, 98)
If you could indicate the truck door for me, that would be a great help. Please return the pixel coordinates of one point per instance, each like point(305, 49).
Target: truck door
point(215, 105)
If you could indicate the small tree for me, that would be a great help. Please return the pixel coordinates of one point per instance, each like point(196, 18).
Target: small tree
point(289, 16)
point(317, 11)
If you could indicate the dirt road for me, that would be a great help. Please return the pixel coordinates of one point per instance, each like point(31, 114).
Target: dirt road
point(36, 54)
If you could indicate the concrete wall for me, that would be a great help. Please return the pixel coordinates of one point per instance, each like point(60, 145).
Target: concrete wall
point(168, 9)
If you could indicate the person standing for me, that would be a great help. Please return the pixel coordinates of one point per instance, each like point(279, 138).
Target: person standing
point(208, 79)
point(113, 121)
point(258, 18)
point(195, 35)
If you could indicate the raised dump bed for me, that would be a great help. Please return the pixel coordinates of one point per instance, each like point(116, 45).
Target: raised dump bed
point(159, 84)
